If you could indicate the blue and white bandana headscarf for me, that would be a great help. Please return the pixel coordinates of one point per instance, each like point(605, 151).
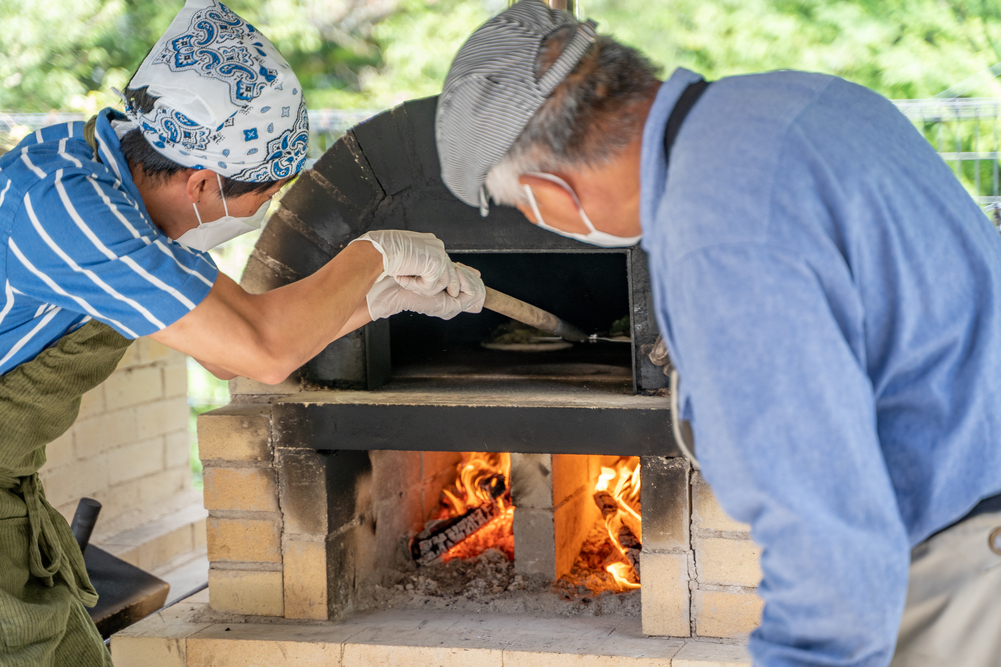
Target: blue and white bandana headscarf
point(226, 99)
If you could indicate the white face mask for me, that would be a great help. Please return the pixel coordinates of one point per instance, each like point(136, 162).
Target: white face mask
point(594, 236)
point(208, 235)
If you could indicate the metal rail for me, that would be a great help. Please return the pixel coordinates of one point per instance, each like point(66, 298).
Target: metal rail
point(966, 132)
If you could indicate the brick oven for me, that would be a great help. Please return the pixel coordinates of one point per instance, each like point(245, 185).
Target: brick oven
point(312, 486)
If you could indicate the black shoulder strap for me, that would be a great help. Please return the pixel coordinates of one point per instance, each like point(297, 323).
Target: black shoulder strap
point(685, 103)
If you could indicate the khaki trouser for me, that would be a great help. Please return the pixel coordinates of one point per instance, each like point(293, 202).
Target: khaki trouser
point(953, 612)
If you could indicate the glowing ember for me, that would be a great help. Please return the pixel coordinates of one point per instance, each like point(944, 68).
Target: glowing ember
point(476, 512)
point(498, 534)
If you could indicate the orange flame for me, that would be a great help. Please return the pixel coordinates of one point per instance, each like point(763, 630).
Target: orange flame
point(623, 483)
point(476, 484)
point(473, 482)
point(622, 572)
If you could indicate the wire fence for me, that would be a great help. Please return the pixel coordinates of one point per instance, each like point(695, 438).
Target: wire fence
point(966, 132)
point(325, 126)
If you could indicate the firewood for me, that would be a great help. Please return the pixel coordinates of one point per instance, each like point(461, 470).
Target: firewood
point(608, 505)
point(632, 547)
point(438, 537)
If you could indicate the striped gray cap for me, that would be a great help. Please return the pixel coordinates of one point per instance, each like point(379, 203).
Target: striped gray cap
point(491, 92)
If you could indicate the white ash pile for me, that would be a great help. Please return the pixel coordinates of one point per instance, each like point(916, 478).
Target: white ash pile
point(487, 583)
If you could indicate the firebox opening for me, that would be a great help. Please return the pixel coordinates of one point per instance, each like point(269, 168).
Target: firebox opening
point(590, 290)
point(570, 523)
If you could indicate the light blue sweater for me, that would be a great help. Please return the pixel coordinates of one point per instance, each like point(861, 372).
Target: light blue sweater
point(831, 297)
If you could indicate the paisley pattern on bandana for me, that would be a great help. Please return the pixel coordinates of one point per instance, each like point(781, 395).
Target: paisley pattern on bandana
point(173, 127)
point(285, 154)
point(213, 47)
point(222, 97)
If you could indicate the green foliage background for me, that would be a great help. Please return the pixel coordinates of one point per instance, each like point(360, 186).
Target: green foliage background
point(68, 54)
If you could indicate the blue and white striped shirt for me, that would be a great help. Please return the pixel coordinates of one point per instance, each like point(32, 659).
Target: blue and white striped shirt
point(78, 244)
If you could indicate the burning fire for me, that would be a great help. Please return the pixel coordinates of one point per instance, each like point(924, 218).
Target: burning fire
point(476, 483)
point(476, 511)
point(622, 520)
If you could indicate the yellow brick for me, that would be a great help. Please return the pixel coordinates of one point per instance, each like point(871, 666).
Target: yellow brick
point(235, 434)
point(162, 417)
point(162, 484)
point(70, 483)
point(305, 569)
point(134, 461)
point(711, 654)
point(103, 432)
point(119, 499)
point(175, 380)
point(548, 658)
point(158, 640)
point(247, 540)
point(132, 355)
point(251, 489)
point(727, 562)
point(60, 450)
point(726, 614)
point(132, 387)
point(706, 512)
point(377, 655)
point(153, 553)
point(249, 592)
point(154, 351)
point(665, 595)
point(148, 651)
point(177, 449)
point(92, 403)
point(212, 652)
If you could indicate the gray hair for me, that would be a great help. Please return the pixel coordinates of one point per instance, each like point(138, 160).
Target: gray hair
point(589, 118)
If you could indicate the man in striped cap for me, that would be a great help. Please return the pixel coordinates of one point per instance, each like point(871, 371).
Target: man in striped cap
point(828, 292)
point(104, 228)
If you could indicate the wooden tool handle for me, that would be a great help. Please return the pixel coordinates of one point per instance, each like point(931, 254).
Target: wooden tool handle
point(517, 309)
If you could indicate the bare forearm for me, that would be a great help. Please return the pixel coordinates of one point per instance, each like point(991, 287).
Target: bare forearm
point(267, 336)
point(304, 317)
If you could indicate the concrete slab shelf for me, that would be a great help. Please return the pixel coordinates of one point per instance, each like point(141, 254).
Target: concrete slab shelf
point(188, 635)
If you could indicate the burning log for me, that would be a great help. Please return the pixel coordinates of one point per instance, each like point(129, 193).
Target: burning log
point(624, 536)
point(439, 537)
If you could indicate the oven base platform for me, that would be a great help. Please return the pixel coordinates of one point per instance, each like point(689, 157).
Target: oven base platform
point(190, 635)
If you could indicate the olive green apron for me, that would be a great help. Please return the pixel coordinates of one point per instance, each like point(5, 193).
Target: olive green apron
point(43, 579)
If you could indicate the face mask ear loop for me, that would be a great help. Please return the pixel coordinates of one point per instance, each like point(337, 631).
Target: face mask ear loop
point(553, 178)
point(535, 207)
point(224, 207)
point(197, 214)
point(576, 202)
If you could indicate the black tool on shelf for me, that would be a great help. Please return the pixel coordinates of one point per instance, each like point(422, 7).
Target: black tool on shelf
point(126, 594)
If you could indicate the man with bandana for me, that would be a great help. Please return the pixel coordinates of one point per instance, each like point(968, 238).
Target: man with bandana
point(105, 227)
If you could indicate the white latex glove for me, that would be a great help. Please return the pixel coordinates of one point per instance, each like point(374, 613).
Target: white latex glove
point(387, 297)
point(417, 261)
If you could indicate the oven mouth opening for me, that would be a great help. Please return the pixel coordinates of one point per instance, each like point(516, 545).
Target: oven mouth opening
point(589, 290)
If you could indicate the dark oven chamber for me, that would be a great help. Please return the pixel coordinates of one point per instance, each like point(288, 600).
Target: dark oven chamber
point(406, 383)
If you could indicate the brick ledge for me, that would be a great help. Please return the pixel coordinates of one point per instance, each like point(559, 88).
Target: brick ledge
point(179, 637)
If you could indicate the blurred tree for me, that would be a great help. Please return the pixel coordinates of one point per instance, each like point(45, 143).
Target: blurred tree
point(901, 48)
point(67, 54)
